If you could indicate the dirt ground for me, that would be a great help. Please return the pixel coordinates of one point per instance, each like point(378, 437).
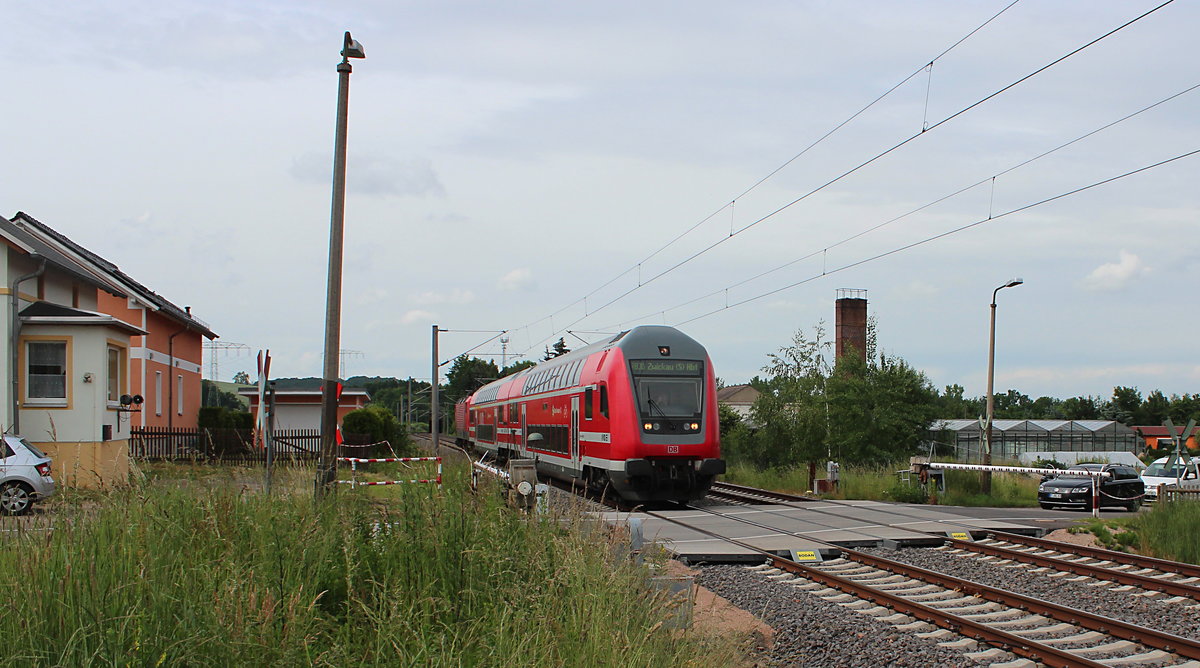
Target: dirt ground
point(715, 615)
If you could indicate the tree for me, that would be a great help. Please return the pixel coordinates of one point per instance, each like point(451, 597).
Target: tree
point(468, 374)
point(241, 378)
point(213, 396)
point(516, 367)
point(1124, 405)
point(560, 348)
point(878, 409)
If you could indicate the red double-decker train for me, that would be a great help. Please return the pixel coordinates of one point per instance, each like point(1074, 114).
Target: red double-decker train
point(637, 412)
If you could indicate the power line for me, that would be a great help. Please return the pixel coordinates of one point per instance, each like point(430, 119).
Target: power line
point(923, 207)
point(778, 169)
point(947, 233)
point(848, 172)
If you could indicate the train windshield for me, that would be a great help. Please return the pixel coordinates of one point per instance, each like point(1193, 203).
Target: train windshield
point(668, 388)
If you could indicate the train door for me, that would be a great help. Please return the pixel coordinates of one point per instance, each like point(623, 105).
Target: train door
point(576, 456)
point(520, 435)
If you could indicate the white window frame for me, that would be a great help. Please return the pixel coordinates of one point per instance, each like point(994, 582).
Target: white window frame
point(158, 392)
point(48, 401)
point(179, 394)
point(114, 398)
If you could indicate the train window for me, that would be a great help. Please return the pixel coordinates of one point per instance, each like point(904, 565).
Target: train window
point(604, 400)
point(587, 403)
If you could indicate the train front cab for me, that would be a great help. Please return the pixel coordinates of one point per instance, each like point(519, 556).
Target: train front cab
point(668, 419)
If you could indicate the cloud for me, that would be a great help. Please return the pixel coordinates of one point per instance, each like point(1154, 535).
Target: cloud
point(455, 296)
point(417, 315)
point(517, 279)
point(1115, 275)
point(373, 174)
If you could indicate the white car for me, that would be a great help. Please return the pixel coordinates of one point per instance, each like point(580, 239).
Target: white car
point(24, 476)
point(1157, 474)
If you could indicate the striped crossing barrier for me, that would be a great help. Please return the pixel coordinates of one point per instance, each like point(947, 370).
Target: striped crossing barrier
point(355, 461)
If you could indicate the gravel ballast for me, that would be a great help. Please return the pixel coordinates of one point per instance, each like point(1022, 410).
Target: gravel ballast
point(810, 631)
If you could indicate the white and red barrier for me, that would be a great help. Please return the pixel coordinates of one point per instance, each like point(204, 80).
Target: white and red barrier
point(355, 461)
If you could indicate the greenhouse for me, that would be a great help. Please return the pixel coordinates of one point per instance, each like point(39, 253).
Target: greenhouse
point(1011, 438)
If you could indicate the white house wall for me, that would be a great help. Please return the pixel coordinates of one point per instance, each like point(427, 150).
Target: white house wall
point(88, 406)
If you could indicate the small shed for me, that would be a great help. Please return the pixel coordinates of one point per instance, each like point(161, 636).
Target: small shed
point(301, 409)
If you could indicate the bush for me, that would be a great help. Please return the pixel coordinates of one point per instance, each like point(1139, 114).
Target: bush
point(903, 493)
point(377, 424)
point(219, 417)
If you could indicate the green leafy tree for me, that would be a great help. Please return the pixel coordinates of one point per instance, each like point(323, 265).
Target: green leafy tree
point(468, 374)
point(1124, 404)
point(241, 378)
point(954, 405)
point(516, 367)
point(878, 409)
point(1080, 408)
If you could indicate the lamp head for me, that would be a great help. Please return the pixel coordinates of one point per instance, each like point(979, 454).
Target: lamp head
point(351, 48)
point(1014, 282)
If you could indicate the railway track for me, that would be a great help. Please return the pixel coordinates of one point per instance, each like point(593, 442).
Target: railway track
point(989, 624)
point(1156, 576)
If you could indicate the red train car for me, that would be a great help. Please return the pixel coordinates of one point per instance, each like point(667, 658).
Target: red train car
point(637, 412)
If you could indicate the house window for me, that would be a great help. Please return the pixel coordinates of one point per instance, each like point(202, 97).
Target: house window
point(179, 393)
point(114, 375)
point(47, 370)
point(158, 393)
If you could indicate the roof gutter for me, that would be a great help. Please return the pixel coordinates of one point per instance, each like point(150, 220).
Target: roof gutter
point(14, 341)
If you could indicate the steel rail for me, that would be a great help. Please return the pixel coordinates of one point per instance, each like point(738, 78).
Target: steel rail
point(1151, 583)
point(1030, 649)
point(1117, 628)
point(1090, 570)
point(1165, 565)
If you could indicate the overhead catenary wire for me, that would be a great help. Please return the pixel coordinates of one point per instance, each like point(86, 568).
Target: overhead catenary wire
point(644, 282)
point(637, 266)
point(947, 233)
point(991, 179)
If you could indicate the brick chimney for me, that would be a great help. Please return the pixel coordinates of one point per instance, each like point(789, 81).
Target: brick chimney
point(850, 326)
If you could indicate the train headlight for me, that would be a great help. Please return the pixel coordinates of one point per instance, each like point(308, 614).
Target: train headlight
point(695, 426)
point(647, 426)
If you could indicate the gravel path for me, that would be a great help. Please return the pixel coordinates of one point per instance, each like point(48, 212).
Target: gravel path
point(810, 631)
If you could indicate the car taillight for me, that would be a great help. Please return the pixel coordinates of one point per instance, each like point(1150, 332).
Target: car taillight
point(44, 469)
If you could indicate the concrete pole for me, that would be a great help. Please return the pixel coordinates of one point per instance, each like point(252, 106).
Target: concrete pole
point(327, 468)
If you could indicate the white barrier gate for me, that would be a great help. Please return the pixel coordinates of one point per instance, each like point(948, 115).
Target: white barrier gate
point(355, 461)
point(921, 466)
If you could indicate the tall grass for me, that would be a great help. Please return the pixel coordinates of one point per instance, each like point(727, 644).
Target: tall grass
point(216, 575)
point(1168, 531)
point(883, 482)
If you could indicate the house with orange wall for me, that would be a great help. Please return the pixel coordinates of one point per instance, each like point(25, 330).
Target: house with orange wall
point(1159, 437)
point(164, 362)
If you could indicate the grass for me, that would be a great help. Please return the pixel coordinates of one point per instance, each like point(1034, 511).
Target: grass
point(1166, 531)
point(188, 570)
point(881, 482)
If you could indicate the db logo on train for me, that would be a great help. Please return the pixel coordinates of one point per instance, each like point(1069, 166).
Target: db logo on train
point(672, 449)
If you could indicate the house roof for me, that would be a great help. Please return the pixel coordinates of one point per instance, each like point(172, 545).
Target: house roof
point(1161, 431)
point(47, 236)
point(737, 394)
point(45, 313)
point(38, 248)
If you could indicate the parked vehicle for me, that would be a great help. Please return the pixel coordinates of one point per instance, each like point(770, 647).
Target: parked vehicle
point(24, 476)
point(1158, 473)
point(1073, 487)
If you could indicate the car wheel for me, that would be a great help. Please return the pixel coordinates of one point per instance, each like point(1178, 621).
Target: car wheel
point(15, 498)
point(1133, 506)
point(1047, 506)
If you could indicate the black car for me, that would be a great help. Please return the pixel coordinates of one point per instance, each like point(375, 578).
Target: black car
point(1073, 489)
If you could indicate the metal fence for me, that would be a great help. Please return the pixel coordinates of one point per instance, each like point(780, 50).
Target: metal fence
point(184, 443)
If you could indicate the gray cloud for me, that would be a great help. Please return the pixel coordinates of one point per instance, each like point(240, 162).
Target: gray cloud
point(373, 174)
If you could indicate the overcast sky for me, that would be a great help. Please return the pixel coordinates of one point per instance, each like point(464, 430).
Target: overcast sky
point(507, 160)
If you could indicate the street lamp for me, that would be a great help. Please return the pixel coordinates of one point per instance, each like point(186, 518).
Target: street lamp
point(327, 470)
point(991, 402)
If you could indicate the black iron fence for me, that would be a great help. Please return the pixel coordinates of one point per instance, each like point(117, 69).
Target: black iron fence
point(184, 443)
point(237, 445)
